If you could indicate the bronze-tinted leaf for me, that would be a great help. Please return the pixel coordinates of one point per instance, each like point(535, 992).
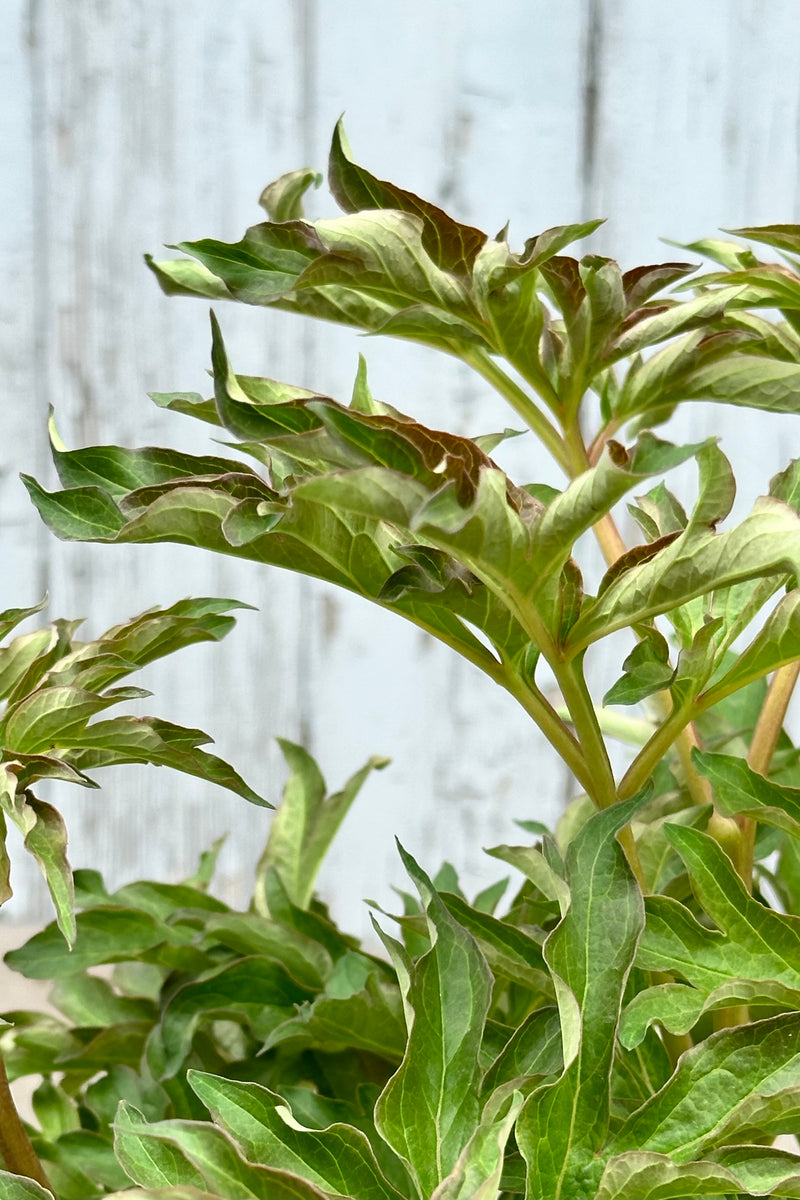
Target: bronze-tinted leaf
point(451, 245)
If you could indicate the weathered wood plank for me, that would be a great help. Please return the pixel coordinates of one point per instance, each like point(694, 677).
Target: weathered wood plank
point(131, 124)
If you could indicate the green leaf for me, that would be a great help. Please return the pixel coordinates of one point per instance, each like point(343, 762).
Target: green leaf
point(306, 823)
point(79, 513)
point(367, 1017)
point(160, 743)
point(283, 199)
point(647, 670)
point(762, 1169)
point(151, 635)
point(338, 1160)
point(511, 953)
point(165, 900)
point(659, 513)
point(105, 934)
point(451, 246)
point(249, 933)
point(698, 561)
point(738, 789)
point(655, 384)
point(506, 289)
point(20, 654)
point(533, 864)
point(5, 863)
point(709, 1092)
point(492, 536)
point(763, 943)
point(49, 717)
point(257, 989)
point(775, 645)
point(87, 1000)
point(678, 1007)
point(192, 404)
point(177, 1192)
point(45, 837)
point(322, 536)
point(198, 1155)
point(119, 471)
point(678, 318)
point(11, 617)
point(310, 923)
point(757, 944)
point(597, 490)
point(782, 237)
point(642, 1175)
point(182, 277)
point(590, 954)
point(533, 1049)
point(660, 861)
point(449, 994)
point(20, 1187)
point(477, 1173)
point(55, 1111)
point(88, 1154)
point(264, 265)
point(728, 254)
point(47, 842)
point(741, 379)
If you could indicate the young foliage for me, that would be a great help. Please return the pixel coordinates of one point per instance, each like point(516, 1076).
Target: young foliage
point(53, 686)
point(628, 1026)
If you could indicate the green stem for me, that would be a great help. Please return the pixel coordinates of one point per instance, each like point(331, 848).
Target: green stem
point(16, 1150)
point(531, 699)
point(569, 677)
point(633, 731)
point(521, 402)
point(552, 726)
point(652, 753)
point(628, 843)
point(699, 788)
point(765, 739)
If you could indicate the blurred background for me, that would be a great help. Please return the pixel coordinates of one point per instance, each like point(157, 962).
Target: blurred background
point(126, 124)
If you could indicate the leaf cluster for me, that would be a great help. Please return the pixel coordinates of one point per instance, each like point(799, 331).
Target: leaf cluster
point(628, 1027)
point(53, 686)
point(264, 1052)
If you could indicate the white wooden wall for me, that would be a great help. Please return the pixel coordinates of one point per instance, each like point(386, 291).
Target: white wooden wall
point(125, 124)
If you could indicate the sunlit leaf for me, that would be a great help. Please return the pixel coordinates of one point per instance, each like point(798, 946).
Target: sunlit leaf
point(307, 821)
point(590, 953)
point(449, 996)
point(338, 1160)
point(20, 1187)
point(451, 245)
point(198, 1155)
point(711, 1084)
point(477, 1173)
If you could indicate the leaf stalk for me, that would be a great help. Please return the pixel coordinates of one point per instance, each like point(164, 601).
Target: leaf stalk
point(521, 402)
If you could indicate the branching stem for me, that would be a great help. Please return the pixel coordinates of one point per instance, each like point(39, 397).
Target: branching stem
point(765, 739)
point(584, 718)
point(651, 754)
point(521, 402)
point(552, 726)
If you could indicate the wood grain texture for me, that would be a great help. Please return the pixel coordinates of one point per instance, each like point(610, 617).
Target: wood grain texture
point(131, 123)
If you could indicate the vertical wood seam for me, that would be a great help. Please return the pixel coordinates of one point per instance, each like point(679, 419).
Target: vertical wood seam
point(590, 115)
point(40, 276)
point(307, 31)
